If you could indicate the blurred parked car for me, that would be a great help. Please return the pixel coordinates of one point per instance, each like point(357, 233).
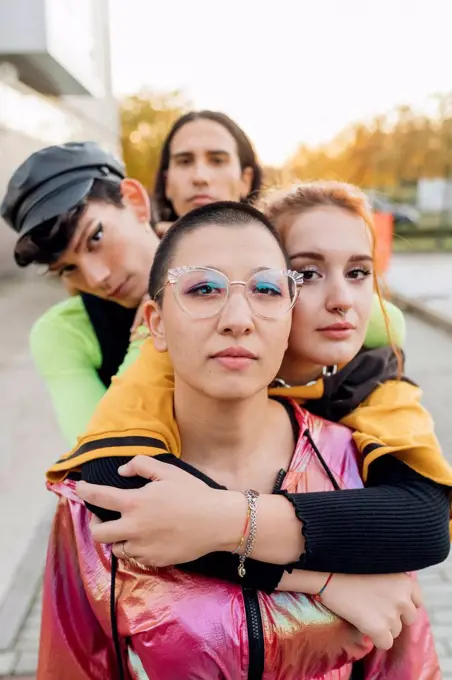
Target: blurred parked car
point(404, 215)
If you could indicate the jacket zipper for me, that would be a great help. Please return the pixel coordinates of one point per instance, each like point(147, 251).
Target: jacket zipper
point(255, 634)
point(254, 619)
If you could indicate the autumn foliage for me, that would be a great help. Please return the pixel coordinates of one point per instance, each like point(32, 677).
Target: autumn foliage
point(394, 149)
point(145, 121)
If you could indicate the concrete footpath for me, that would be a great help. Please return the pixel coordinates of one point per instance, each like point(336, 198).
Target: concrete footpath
point(29, 441)
point(421, 283)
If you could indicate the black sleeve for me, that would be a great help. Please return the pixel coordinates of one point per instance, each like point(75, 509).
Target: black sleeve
point(222, 565)
point(400, 522)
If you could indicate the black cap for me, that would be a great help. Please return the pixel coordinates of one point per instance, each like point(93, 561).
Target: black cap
point(54, 180)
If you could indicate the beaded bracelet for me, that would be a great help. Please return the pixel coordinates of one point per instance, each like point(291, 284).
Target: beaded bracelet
point(251, 496)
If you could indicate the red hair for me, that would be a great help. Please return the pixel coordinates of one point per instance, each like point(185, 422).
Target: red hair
point(280, 205)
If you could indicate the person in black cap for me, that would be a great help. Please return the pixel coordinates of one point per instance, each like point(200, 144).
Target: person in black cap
point(77, 213)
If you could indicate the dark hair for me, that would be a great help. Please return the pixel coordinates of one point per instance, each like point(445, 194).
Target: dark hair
point(46, 243)
point(247, 157)
point(221, 214)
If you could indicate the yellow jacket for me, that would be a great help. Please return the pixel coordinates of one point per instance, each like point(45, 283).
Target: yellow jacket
point(136, 414)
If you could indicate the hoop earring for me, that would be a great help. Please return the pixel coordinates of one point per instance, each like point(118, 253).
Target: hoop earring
point(328, 371)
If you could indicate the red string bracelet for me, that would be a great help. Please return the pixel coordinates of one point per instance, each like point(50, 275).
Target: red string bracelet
point(245, 531)
point(318, 596)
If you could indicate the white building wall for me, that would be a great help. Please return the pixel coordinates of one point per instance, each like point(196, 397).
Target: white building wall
point(30, 121)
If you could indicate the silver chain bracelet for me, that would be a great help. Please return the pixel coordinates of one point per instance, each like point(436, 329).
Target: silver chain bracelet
point(251, 496)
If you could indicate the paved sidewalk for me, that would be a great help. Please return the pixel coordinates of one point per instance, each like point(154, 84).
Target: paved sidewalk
point(422, 284)
point(31, 436)
point(429, 363)
point(29, 441)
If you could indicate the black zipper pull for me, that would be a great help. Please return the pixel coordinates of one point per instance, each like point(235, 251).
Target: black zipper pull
point(279, 481)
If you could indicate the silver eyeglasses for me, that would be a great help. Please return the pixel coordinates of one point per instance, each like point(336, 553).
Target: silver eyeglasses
point(202, 292)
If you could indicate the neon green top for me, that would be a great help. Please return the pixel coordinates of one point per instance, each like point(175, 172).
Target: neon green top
point(67, 354)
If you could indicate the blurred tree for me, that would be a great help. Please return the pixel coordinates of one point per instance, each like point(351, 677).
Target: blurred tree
point(396, 148)
point(277, 176)
point(145, 121)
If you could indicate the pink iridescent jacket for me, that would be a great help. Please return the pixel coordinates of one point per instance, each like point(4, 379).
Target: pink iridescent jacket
point(178, 626)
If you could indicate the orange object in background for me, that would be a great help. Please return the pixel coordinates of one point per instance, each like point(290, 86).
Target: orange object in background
point(384, 231)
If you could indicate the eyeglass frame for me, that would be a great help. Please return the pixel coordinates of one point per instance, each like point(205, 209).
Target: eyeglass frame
point(174, 275)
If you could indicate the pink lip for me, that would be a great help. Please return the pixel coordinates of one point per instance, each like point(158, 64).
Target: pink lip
point(202, 199)
point(235, 352)
point(235, 358)
point(340, 326)
point(337, 331)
